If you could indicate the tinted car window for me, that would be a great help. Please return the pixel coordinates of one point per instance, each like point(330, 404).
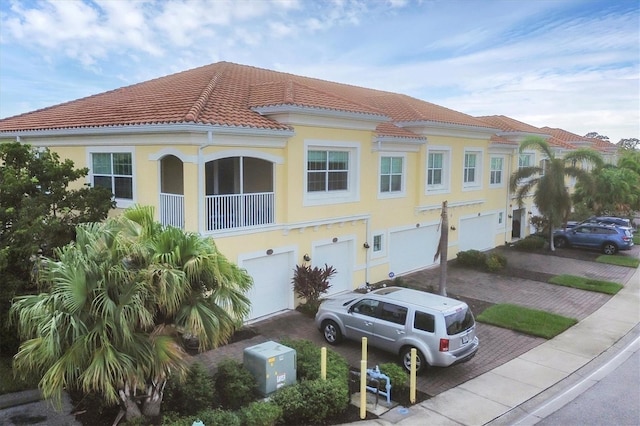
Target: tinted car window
point(394, 313)
point(366, 307)
point(459, 321)
point(425, 322)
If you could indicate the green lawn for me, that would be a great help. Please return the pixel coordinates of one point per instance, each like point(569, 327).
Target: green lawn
point(529, 321)
point(630, 262)
point(636, 238)
point(607, 287)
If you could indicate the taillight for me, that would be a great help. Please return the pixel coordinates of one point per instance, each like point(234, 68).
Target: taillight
point(444, 345)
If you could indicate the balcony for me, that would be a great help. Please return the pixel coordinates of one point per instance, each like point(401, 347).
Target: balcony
point(232, 211)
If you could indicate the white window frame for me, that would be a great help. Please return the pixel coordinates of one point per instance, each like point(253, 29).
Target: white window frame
point(382, 252)
point(477, 175)
point(352, 193)
point(402, 191)
point(492, 171)
point(531, 156)
point(445, 185)
point(120, 202)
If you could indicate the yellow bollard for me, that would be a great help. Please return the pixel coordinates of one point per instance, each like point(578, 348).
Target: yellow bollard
point(364, 349)
point(323, 363)
point(363, 388)
point(412, 376)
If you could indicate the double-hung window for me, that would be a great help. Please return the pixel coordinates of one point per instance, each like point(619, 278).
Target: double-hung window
point(472, 169)
point(391, 175)
point(114, 171)
point(525, 160)
point(438, 169)
point(497, 167)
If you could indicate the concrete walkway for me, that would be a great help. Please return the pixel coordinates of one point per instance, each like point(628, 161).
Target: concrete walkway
point(497, 397)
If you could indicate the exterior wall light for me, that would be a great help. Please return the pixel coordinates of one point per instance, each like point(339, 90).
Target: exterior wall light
point(306, 257)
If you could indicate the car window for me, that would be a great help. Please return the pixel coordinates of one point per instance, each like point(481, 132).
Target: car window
point(366, 307)
point(584, 230)
point(459, 321)
point(425, 322)
point(394, 313)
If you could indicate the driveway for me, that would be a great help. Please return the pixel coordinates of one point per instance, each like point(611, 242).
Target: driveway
point(480, 290)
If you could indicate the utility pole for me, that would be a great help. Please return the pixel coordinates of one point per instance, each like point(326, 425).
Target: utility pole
point(443, 247)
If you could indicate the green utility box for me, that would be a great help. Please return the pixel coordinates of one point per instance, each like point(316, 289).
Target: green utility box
point(273, 365)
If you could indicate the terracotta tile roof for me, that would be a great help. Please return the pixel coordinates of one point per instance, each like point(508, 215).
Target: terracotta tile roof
point(223, 94)
point(501, 140)
point(508, 124)
point(572, 141)
point(390, 129)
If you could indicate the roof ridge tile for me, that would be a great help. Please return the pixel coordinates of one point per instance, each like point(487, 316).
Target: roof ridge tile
point(201, 102)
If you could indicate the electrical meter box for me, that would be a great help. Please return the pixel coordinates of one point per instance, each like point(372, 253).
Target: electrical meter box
point(273, 365)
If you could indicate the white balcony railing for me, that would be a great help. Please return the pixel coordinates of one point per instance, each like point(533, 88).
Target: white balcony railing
point(172, 210)
point(238, 210)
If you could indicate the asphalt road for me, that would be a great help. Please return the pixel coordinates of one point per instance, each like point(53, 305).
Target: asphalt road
point(614, 400)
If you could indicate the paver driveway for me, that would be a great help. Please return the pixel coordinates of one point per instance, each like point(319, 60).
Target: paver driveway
point(497, 345)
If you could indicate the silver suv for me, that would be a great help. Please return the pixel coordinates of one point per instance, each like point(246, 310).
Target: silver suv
point(397, 319)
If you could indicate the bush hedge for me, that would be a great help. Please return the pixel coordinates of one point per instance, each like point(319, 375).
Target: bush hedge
point(235, 385)
point(312, 401)
point(532, 242)
point(196, 393)
point(479, 260)
point(308, 361)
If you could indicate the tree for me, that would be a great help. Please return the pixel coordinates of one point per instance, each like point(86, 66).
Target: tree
point(118, 302)
point(38, 212)
point(617, 192)
point(550, 194)
point(631, 143)
point(596, 135)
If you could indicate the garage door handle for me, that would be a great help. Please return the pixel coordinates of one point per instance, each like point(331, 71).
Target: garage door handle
point(399, 331)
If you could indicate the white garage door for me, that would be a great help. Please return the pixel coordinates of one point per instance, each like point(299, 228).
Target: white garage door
point(272, 288)
point(477, 233)
point(338, 255)
point(413, 249)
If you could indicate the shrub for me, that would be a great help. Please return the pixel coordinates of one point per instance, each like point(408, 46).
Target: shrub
point(532, 242)
point(235, 385)
point(196, 393)
point(312, 401)
point(308, 361)
point(217, 417)
point(496, 262)
point(397, 374)
point(311, 283)
point(471, 258)
point(261, 413)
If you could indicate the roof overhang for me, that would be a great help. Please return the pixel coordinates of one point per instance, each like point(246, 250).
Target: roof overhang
point(439, 128)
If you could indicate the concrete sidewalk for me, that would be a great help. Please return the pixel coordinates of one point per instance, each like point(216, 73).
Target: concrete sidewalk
point(495, 397)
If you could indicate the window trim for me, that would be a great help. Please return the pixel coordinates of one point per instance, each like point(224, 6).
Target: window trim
point(120, 202)
point(445, 186)
point(476, 184)
point(383, 245)
point(352, 193)
point(491, 171)
point(393, 194)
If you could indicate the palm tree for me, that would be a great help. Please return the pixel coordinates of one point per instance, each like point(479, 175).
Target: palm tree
point(116, 305)
point(550, 194)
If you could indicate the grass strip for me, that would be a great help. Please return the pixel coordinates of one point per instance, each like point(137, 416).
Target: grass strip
point(630, 262)
point(636, 238)
point(606, 287)
point(525, 320)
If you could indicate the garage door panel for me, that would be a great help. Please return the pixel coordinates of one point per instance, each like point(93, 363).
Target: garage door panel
point(272, 290)
point(339, 256)
point(413, 249)
point(477, 233)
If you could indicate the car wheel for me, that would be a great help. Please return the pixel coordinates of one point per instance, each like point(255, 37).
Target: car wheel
point(609, 248)
point(405, 358)
point(331, 332)
point(560, 242)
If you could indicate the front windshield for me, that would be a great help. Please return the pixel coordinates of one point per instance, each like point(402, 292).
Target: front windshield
point(459, 321)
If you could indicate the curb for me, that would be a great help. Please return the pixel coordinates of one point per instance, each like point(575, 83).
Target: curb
point(19, 398)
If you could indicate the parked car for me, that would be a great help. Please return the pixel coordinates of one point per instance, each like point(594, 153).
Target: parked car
point(607, 238)
point(604, 220)
point(395, 319)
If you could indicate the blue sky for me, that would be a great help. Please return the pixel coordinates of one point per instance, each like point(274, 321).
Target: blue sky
point(572, 64)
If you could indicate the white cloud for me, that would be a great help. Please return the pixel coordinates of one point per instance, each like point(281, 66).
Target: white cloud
point(543, 60)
